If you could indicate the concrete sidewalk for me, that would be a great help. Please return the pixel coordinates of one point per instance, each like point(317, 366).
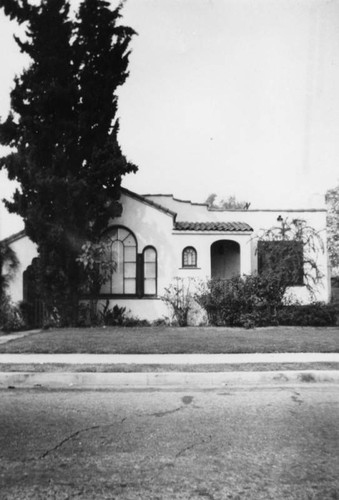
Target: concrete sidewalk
point(169, 359)
point(13, 336)
point(119, 380)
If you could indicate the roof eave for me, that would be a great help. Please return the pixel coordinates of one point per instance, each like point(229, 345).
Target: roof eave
point(149, 202)
point(14, 237)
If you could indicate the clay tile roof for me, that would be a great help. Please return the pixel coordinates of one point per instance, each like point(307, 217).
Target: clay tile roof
point(212, 226)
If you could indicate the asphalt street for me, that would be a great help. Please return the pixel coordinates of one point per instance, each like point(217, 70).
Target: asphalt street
point(230, 443)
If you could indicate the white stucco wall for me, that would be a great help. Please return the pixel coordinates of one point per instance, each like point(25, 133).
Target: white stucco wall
point(151, 227)
point(202, 242)
point(259, 220)
point(186, 210)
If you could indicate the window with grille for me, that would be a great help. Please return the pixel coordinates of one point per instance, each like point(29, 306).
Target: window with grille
point(122, 250)
point(189, 257)
point(150, 271)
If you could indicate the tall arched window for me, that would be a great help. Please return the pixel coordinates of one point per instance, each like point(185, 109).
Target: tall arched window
point(189, 257)
point(150, 271)
point(122, 249)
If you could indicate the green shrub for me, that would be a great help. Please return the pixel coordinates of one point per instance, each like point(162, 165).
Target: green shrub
point(161, 322)
point(178, 296)
point(27, 311)
point(90, 316)
point(107, 316)
point(316, 314)
point(116, 316)
point(257, 300)
point(11, 319)
point(133, 321)
point(246, 301)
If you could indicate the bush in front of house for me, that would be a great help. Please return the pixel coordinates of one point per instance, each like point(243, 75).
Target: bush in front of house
point(118, 316)
point(180, 299)
point(257, 300)
point(11, 319)
point(245, 301)
point(316, 314)
point(105, 315)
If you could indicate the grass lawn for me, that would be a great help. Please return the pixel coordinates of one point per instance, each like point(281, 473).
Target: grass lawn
point(169, 340)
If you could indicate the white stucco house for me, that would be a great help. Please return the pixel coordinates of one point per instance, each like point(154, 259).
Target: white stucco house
point(159, 237)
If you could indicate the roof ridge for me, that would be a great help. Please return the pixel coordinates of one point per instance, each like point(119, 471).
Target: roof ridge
point(178, 199)
point(149, 202)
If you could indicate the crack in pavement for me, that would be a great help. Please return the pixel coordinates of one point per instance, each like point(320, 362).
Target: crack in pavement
point(67, 439)
point(73, 435)
point(160, 413)
point(189, 447)
point(167, 412)
point(86, 429)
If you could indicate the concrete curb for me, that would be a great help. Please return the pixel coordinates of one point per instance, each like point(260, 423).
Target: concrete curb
point(176, 359)
point(138, 380)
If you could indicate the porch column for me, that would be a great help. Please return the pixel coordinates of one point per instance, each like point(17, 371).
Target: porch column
point(245, 256)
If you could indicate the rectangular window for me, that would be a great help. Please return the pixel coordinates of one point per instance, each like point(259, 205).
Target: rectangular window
point(150, 286)
point(150, 270)
point(130, 254)
point(283, 258)
point(130, 285)
point(130, 270)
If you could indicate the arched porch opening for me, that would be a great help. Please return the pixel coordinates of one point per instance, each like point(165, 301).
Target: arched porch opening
point(225, 259)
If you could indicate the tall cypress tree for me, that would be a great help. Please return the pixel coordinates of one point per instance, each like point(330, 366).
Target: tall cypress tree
point(101, 56)
point(63, 131)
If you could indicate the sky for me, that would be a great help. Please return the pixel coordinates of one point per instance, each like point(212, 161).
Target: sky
point(233, 97)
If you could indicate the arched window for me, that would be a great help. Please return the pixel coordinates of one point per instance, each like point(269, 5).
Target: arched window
point(122, 249)
point(150, 271)
point(189, 257)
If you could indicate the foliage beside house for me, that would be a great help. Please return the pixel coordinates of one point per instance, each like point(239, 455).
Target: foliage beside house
point(10, 314)
point(332, 202)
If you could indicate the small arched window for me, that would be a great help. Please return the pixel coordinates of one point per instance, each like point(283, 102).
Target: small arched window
point(122, 249)
point(189, 257)
point(150, 271)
